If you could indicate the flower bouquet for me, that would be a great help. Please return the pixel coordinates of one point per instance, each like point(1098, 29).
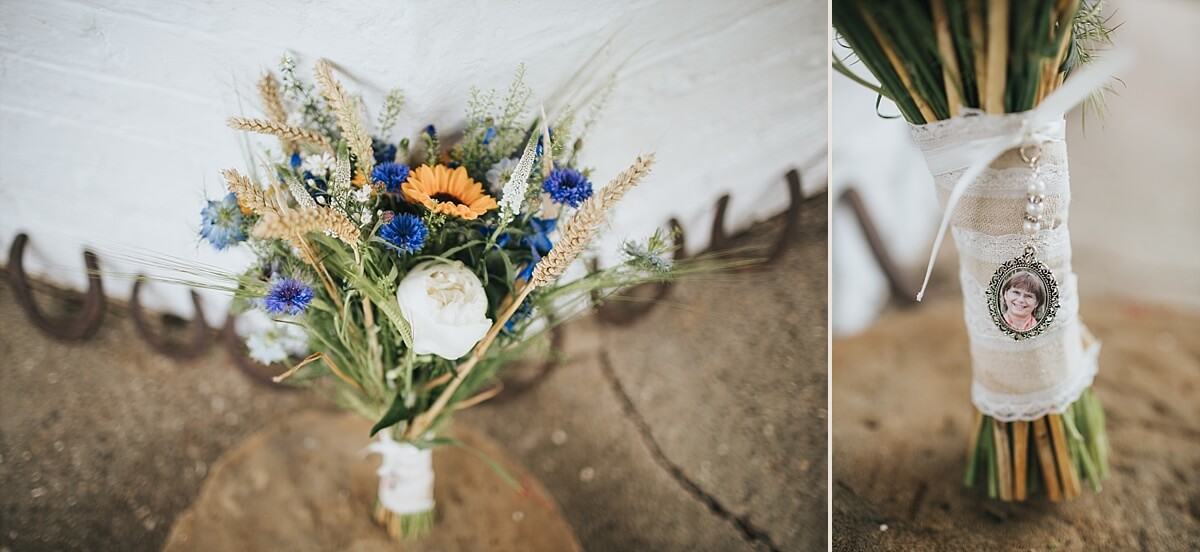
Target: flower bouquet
point(401, 278)
point(984, 85)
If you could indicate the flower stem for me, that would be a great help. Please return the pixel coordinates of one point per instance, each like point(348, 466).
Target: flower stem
point(423, 421)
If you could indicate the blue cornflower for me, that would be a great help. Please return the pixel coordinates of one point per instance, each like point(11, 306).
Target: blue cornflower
point(567, 186)
point(221, 222)
point(391, 175)
point(431, 131)
point(288, 296)
point(295, 160)
point(383, 151)
point(405, 233)
point(489, 135)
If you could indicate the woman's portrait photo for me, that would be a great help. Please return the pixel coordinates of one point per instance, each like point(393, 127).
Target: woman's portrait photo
point(1023, 301)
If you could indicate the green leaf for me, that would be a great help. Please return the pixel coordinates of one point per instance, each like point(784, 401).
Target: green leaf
point(393, 416)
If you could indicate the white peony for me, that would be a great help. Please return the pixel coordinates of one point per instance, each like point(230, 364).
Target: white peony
point(269, 341)
point(446, 307)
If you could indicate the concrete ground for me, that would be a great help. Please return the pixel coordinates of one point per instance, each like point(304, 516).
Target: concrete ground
point(699, 427)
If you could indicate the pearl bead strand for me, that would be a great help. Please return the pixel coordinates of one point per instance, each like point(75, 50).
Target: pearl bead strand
point(1036, 206)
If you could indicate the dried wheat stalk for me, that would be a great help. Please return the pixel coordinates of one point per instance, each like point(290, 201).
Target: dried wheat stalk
point(346, 109)
point(283, 131)
point(249, 195)
point(268, 91)
point(301, 222)
point(582, 227)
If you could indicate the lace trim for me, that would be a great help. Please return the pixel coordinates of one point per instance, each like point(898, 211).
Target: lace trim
point(1010, 183)
point(973, 125)
point(1031, 406)
point(1052, 243)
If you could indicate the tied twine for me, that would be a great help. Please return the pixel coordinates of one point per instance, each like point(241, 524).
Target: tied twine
point(405, 475)
point(1038, 126)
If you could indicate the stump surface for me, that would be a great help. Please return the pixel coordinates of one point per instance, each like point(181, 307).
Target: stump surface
point(902, 411)
point(301, 484)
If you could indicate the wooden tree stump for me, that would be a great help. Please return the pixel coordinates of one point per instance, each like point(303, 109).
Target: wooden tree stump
point(302, 484)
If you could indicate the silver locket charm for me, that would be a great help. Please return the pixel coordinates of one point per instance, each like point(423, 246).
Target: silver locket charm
point(1023, 294)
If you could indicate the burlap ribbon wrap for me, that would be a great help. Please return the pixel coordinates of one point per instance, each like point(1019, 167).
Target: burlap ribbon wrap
point(1012, 379)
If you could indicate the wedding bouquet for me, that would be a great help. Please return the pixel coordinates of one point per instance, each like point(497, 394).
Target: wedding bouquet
point(399, 277)
point(984, 85)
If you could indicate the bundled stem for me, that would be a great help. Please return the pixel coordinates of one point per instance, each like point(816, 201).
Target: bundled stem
point(934, 57)
point(1056, 453)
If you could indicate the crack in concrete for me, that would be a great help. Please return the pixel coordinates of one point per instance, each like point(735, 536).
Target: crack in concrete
point(749, 531)
point(917, 500)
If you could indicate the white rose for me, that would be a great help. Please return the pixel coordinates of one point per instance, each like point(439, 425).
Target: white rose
point(446, 307)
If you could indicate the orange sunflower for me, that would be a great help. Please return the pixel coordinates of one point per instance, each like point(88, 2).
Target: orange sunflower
point(448, 191)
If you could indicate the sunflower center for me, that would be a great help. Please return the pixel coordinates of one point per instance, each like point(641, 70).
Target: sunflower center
point(443, 196)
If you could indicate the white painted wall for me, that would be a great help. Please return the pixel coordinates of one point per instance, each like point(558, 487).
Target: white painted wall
point(112, 113)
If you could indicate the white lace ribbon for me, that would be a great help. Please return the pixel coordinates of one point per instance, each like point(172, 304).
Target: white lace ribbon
point(1029, 378)
point(405, 475)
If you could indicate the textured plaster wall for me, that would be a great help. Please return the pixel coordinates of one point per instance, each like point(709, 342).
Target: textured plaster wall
point(112, 113)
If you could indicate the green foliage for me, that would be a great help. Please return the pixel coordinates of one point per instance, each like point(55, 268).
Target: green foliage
point(314, 112)
point(485, 110)
point(392, 105)
point(433, 148)
point(398, 411)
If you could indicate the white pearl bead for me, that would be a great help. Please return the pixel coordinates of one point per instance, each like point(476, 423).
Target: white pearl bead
point(1036, 187)
point(1035, 210)
point(1032, 227)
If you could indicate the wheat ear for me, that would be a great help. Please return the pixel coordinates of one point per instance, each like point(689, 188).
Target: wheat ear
point(280, 130)
point(346, 109)
point(582, 227)
point(249, 195)
point(268, 92)
point(300, 222)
